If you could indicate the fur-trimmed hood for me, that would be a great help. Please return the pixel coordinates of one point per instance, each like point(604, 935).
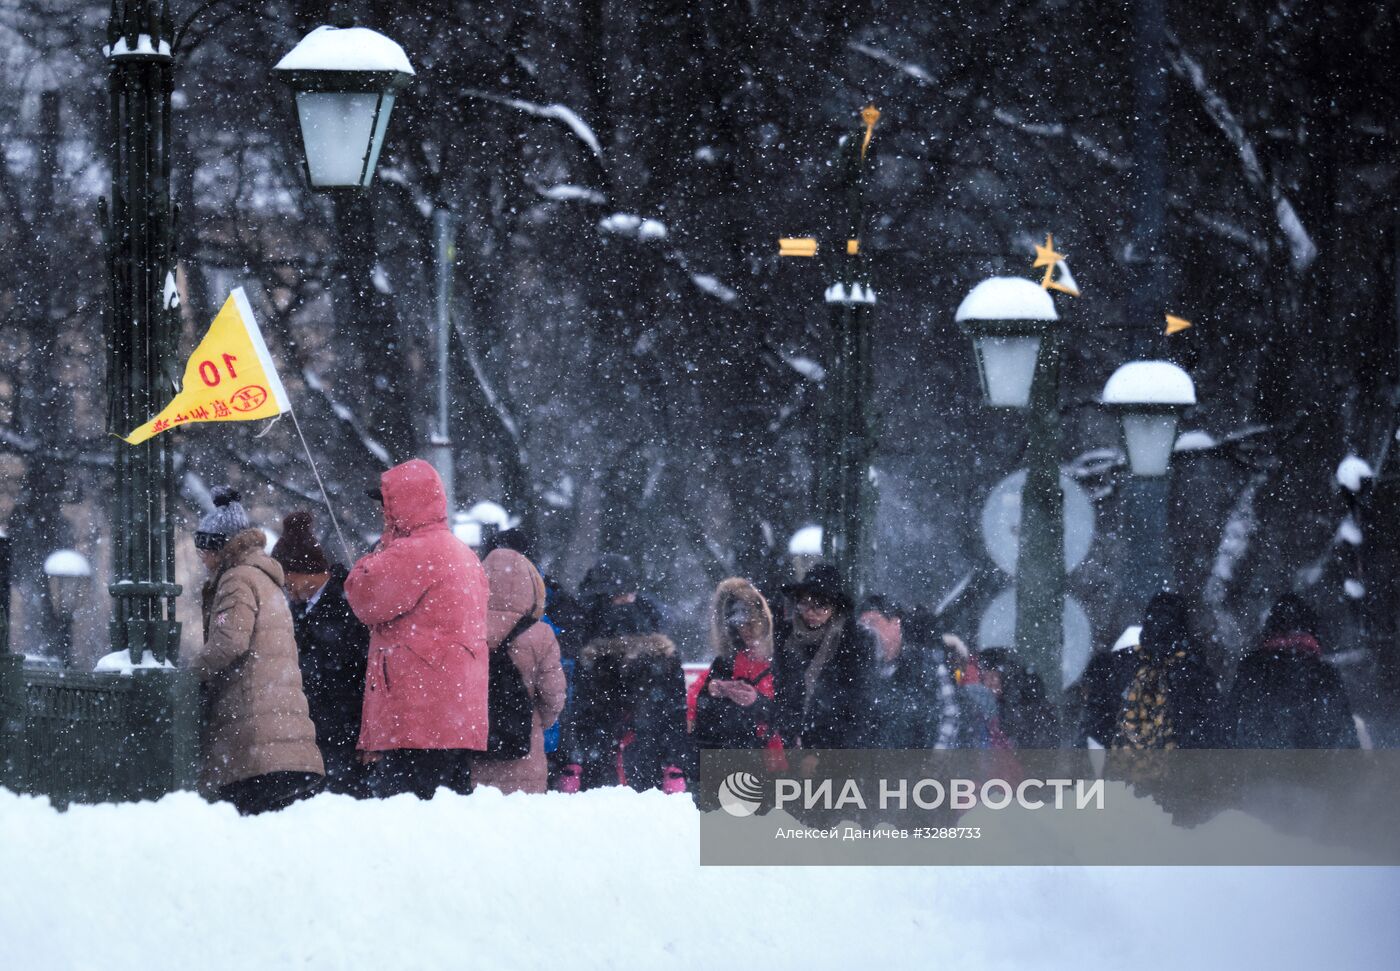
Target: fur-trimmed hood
point(629, 647)
point(733, 595)
point(248, 548)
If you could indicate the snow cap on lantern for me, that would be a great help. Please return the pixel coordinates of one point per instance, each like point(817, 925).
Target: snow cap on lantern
point(1149, 397)
point(345, 79)
point(1007, 318)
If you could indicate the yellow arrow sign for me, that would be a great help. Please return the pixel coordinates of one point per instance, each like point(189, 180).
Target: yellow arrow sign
point(229, 377)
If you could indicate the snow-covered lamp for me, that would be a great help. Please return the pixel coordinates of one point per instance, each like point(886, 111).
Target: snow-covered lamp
point(481, 522)
point(1149, 397)
point(69, 575)
point(493, 514)
point(805, 549)
point(1008, 319)
point(345, 79)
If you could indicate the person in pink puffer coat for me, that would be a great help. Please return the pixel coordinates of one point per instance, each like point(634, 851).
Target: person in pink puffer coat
point(517, 593)
point(423, 595)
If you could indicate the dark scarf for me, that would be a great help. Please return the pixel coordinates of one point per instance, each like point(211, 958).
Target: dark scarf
point(816, 649)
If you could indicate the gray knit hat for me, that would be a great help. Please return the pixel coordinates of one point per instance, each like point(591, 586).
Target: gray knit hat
point(227, 519)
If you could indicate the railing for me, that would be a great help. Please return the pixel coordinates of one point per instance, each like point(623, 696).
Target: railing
point(80, 737)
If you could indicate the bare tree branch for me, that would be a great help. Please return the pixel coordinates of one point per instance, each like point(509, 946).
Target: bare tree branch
point(1301, 247)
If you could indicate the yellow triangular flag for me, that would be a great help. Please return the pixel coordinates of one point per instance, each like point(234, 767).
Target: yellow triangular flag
point(1176, 325)
point(229, 377)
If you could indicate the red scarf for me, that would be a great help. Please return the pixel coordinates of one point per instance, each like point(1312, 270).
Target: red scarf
point(1298, 643)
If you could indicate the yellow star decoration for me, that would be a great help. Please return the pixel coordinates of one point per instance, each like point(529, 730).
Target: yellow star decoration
point(1176, 325)
point(1046, 255)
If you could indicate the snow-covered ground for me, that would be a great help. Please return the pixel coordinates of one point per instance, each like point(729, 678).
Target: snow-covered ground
point(611, 879)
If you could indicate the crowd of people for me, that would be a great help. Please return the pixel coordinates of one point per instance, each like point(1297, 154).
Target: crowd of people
point(422, 666)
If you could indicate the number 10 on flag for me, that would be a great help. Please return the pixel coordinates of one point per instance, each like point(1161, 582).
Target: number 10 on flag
point(229, 377)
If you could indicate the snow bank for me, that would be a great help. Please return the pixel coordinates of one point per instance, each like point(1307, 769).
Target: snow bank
point(1007, 298)
point(609, 879)
point(1149, 383)
point(345, 49)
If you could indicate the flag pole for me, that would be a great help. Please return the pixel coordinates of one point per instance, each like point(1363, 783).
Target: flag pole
point(349, 557)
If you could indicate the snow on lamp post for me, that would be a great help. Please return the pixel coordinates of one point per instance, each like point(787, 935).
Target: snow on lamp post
point(69, 576)
point(480, 524)
point(805, 549)
point(1011, 321)
point(1149, 397)
point(346, 80)
point(846, 479)
point(1008, 319)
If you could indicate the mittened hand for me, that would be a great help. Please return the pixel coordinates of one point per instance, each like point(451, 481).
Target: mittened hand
point(672, 781)
point(569, 778)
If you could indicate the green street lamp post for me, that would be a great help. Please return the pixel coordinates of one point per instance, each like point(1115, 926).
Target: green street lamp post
point(846, 441)
point(129, 735)
point(69, 575)
point(1013, 326)
point(1149, 398)
point(142, 328)
point(4, 592)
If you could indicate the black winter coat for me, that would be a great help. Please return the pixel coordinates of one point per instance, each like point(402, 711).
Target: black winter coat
point(837, 715)
point(629, 710)
point(1287, 700)
point(916, 707)
point(721, 724)
point(333, 647)
point(1101, 690)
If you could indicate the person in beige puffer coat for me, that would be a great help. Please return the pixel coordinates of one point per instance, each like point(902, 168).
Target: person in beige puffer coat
point(517, 592)
point(258, 741)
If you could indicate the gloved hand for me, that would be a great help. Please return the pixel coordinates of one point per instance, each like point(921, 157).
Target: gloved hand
point(569, 778)
point(672, 780)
